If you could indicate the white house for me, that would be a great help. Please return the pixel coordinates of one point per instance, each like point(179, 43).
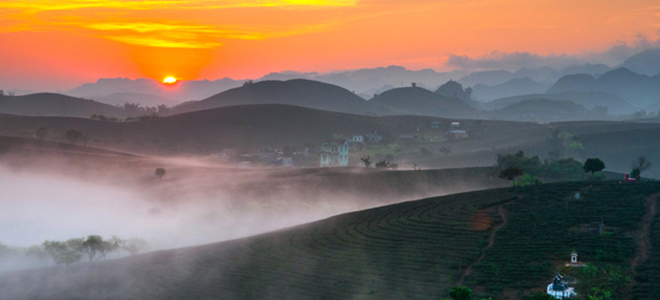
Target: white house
point(560, 289)
point(358, 138)
point(435, 125)
point(455, 124)
point(334, 153)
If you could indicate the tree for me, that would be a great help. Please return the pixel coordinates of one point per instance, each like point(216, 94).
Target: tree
point(640, 165)
point(460, 293)
point(160, 172)
point(73, 135)
point(92, 245)
point(510, 173)
point(382, 164)
point(41, 133)
point(366, 160)
point(593, 165)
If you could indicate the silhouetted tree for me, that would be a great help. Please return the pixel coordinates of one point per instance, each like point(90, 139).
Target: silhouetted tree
point(163, 109)
point(638, 166)
point(41, 133)
point(73, 135)
point(382, 164)
point(160, 172)
point(510, 173)
point(366, 160)
point(593, 165)
point(460, 293)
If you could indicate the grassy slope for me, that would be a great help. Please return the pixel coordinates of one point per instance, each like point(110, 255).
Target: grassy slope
point(412, 250)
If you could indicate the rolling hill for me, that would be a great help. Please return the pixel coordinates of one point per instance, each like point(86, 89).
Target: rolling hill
point(47, 104)
point(589, 99)
point(503, 243)
point(543, 110)
point(139, 98)
point(299, 92)
point(513, 87)
point(419, 101)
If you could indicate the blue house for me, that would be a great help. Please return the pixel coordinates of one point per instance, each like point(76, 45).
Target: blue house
point(334, 153)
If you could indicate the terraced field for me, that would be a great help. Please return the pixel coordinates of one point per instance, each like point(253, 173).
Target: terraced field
point(413, 250)
point(511, 240)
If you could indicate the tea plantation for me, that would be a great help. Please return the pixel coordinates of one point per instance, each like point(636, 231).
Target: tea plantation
point(502, 243)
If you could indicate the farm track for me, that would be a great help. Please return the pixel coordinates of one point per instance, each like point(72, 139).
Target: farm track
point(491, 241)
point(643, 238)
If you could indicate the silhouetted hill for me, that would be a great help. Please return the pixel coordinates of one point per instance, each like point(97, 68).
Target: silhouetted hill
point(419, 101)
point(513, 87)
point(647, 62)
point(47, 104)
point(575, 83)
point(299, 92)
point(543, 110)
point(489, 241)
point(614, 103)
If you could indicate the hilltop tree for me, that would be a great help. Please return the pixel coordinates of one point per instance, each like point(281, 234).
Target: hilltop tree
point(593, 165)
point(640, 165)
point(41, 133)
point(366, 160)
point(64, 252)
point(73, 135)
point(511, 173)
point(460, 293)
point(160, 172)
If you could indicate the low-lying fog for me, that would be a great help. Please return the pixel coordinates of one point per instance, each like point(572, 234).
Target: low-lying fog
point(198, 201)
point(39, 207)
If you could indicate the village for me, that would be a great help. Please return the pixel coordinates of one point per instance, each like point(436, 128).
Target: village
point(348, 149)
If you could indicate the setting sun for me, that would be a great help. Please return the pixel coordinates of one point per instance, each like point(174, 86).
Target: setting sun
point(169, 80)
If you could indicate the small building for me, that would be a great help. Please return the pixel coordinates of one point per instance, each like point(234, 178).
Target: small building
point(287, 161)
point(627, 178)
point(574, 261)
point(358, 138)
point(435, 125)
point(373, 137)
point(559, 288)
point(405, 137)
point(334, 153)
point(459, 134)
point(455, 124)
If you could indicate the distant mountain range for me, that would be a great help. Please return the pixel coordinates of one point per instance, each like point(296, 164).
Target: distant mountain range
point(366, 83)
point(639, 90)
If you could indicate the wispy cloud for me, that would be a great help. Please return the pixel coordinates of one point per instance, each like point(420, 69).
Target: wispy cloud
point(55, 5)
point(108, 19)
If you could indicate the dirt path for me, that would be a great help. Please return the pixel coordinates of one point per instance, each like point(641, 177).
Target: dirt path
point(491, 240)
point(643, 238)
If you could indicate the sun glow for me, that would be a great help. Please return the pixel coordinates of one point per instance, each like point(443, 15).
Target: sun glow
point(169, 80)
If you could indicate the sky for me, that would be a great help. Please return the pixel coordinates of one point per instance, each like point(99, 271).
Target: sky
point(53, 45)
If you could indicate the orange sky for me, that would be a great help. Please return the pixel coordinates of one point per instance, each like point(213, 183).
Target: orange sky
point(58, 44)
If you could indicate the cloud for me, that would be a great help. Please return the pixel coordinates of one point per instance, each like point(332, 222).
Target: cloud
point(33, 6)
point(613, 56)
